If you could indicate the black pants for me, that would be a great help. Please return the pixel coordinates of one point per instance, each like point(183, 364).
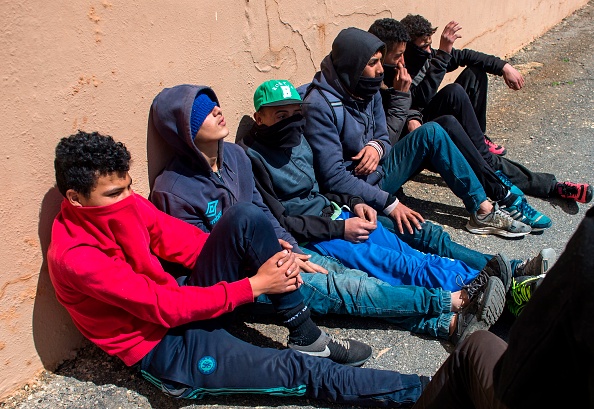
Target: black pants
point(454, 100)
point(549, 361)
point(202, 358)
point(493, 186)
point(475, 83)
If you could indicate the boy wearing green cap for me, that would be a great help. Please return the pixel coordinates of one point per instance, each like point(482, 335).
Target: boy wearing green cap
point(198, 191)
point(283, 166)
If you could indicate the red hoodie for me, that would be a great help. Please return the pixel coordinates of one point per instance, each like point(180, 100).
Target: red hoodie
point(103, 264)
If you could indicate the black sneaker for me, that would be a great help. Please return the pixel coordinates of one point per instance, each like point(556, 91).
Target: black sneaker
point(498, 267)
point(346, 352)
point(482, 311)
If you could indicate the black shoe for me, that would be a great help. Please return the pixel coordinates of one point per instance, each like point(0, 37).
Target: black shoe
point(498, 267)
point(482, 311)
point(346, 352)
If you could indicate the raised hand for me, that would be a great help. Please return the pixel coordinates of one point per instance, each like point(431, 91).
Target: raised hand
point(448, 36)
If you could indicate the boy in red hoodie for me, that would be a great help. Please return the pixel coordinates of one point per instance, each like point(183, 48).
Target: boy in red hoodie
point(104, 265)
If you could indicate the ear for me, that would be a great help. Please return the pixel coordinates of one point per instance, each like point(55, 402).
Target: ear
point(73, 197)
point(258, 118)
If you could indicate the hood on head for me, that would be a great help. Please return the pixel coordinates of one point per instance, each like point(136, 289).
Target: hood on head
point(351, 50)
point(171, 111)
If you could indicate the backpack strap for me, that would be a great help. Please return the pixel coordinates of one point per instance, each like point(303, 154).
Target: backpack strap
point(335, 104)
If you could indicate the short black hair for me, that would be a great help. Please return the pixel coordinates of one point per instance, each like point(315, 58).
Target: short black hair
point(417, 26)
point(82, 158)
point(390, 31)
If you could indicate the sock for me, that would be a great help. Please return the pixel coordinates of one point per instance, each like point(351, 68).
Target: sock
point(302, 330)
point(509, 199)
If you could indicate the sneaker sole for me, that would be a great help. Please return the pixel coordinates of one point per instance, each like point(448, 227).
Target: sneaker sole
point(359, 363)
point(494, 230)
point(493, 301)
point(506, 271)
point(549, 257)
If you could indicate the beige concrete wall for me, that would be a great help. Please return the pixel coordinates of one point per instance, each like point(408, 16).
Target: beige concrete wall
point(96, 65)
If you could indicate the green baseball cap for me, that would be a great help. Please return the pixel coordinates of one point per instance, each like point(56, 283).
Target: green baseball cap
point(275, 93)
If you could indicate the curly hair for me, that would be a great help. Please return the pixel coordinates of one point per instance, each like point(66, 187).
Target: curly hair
point(390, 31)
point(82, 158)
point(417, 26)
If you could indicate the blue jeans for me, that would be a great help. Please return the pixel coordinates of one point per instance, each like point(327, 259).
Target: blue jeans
point(389, 259)
point(352, 292)
point(432, 239)
point(430, 143)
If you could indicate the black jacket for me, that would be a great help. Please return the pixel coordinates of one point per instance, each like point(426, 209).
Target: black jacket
point(428, 69)
point(549, 362)
point(304, 227)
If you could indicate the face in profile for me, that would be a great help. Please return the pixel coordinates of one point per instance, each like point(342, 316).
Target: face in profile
point(214, 127)
point(374, 67)
point(396, 54)
point(109, 189)
point(423, 43)
point(271, 115)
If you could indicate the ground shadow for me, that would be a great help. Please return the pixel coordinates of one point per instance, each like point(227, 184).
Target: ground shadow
point(54, 335)
point(568, 206)
point(95, 366)
point(430, 179)
point(444, 214)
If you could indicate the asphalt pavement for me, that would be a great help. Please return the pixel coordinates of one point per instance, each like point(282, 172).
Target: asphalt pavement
point(548, 126)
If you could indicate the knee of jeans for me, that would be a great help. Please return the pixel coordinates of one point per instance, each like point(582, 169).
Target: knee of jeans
point(432, 236)
point(454, 90)
point(448, 121)
point(435, 132)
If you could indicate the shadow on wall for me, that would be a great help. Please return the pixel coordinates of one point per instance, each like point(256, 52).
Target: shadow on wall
point(55, 336)
point(158, 152)
point(245, 125)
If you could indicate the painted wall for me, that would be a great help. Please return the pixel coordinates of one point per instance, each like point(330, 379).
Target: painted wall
point(96, 65)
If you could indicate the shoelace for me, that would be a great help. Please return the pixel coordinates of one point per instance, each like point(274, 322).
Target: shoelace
point(526, 209)
point(504, 179)
point(515, 309)
point(475, 285)
point(342, 342)
point(505, 215)
point(568, 190)
point(521, 293)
